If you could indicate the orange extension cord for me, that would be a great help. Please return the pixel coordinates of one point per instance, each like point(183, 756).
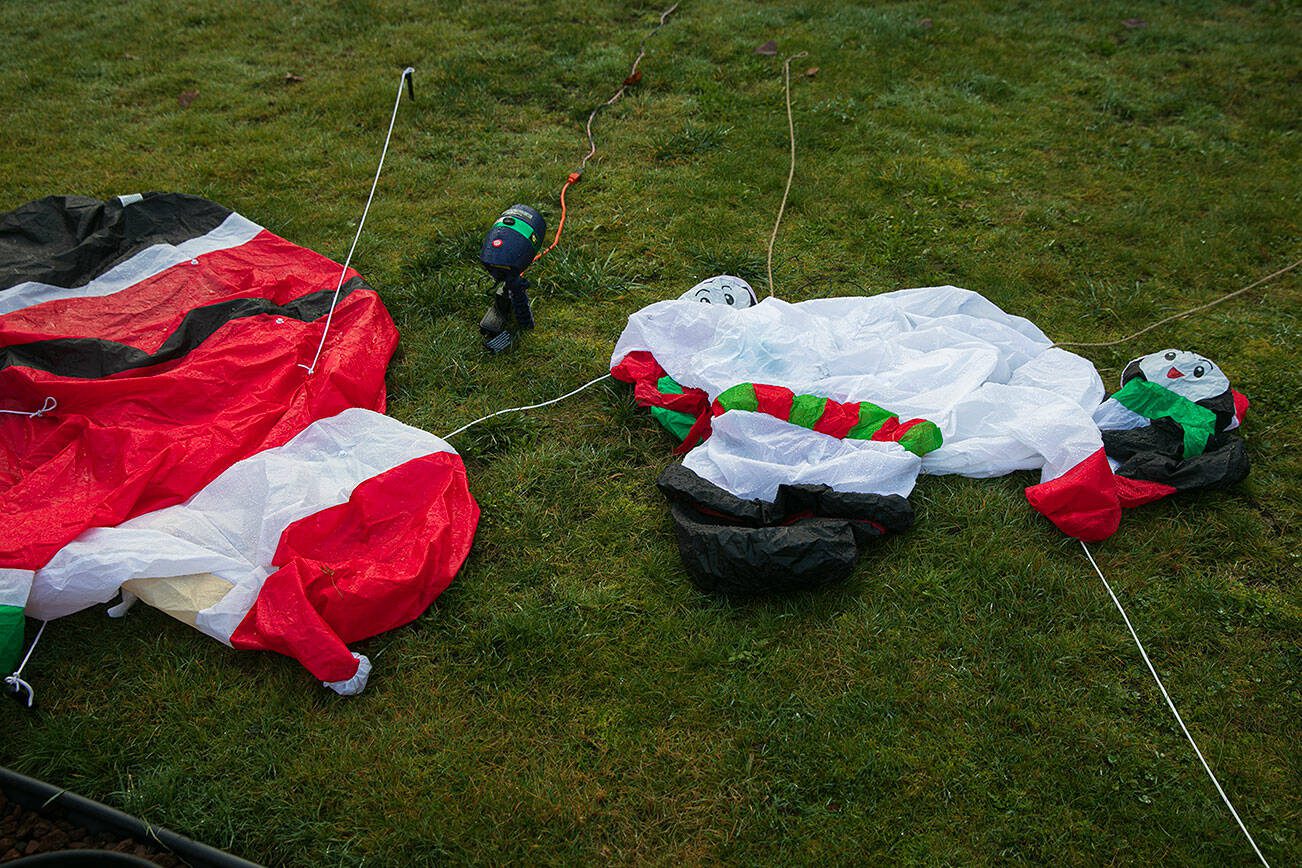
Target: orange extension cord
point(560, 227)
point(633, 77)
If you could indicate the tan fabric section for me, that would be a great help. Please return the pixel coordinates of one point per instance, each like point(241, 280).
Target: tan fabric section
point(182, 597)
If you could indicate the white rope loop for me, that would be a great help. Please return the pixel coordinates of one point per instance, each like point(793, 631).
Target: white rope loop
point(15, 682)
point(46, 406)
point(343, 272)
point(1171, 705)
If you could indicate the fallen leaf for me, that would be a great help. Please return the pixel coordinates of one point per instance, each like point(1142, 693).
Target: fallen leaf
point(1135, 23)
point(925, 23)
point(130, 57)
point(290, 78)
point(768, 49)
point(187, 97)
point(811, 72)
point(633, 79)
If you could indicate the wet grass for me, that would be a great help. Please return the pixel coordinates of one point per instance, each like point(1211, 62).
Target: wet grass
point(970, 696)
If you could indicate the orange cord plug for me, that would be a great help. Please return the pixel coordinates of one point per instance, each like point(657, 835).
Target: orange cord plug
point(560, 227)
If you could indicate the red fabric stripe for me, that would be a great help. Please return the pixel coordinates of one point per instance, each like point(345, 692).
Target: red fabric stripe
point(642, 370)
point(1137, 492)
point(894, 430)
point(149, 438)
point(691, 401)
point(1083, 502)
point(637, 365)
point(774, 400)
point(1241, 405)
point(838, 419)
point(365, 566)
point(698, 433)
point(143, 315)
point(890, 430)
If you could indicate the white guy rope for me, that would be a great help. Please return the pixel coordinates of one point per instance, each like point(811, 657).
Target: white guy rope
point(1146, 329)
point(46, 406)
point(791, 173)
point(528, 407)
point(343, 272)
point(1171, 704)
point(15, 680)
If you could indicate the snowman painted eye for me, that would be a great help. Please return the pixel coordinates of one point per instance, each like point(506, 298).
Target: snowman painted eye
point(727, 298)
point(705, 299)
point(1199, 371)
point(1170, 357)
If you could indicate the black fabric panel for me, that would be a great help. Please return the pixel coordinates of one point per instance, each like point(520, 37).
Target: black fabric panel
point(71, 240)
point(1163, 437)
point(1223, 406)
point(1220, 467)
point(809, 537)
point(90, 358)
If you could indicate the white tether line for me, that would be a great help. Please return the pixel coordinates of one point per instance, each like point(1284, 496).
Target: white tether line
point(528, 406)
point(343, 272)
point(46, 406)
point(15, 681)
point(1171, 704)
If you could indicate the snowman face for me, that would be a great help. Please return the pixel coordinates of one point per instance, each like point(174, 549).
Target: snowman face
point(723, 289)
point(1187, 374)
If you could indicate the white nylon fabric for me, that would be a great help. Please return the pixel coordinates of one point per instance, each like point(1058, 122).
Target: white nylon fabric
point(232, 232)
point(751, 454)
point(1112, 415)
point(15, 585)
point(232, 527)
point(1004, 398)
point(357, 683)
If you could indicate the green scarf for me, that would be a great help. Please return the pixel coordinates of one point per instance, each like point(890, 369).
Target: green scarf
point(1152, 401)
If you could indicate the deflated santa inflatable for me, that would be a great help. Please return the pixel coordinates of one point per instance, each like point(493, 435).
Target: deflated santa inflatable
point(161, 436)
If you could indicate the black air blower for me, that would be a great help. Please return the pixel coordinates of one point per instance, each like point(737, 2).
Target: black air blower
point(510, 247)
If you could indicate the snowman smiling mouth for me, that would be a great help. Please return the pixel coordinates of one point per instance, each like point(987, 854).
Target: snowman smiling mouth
point(1173, 374)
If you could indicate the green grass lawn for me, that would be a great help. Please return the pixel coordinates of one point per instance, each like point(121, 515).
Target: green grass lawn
point(970, 696)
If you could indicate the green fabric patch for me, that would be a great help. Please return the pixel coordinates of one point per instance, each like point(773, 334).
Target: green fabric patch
point(667, 385)
point(871, 418)
point(922, 438)
point(12, 623)
point(806, 410)
point(675, 422)
point(739, 397)
point(521, 227)
point(1152, 401)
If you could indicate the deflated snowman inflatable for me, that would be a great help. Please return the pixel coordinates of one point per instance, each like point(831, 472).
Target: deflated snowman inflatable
point(804, 426)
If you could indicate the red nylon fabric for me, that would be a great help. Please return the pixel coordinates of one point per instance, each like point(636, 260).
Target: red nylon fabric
point(126, 444)
point(892, 430)
point(1083, 502)
point(1137, 492)
point(365, 566)
point(636, 366)
point(644, 372)
point(774, 400)
point(838, 419)
point(145, 313)
point(698, 433)
point(1241, 405)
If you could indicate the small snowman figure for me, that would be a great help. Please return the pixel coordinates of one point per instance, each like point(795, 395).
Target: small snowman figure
point(721, 289)
point(1168, 428)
